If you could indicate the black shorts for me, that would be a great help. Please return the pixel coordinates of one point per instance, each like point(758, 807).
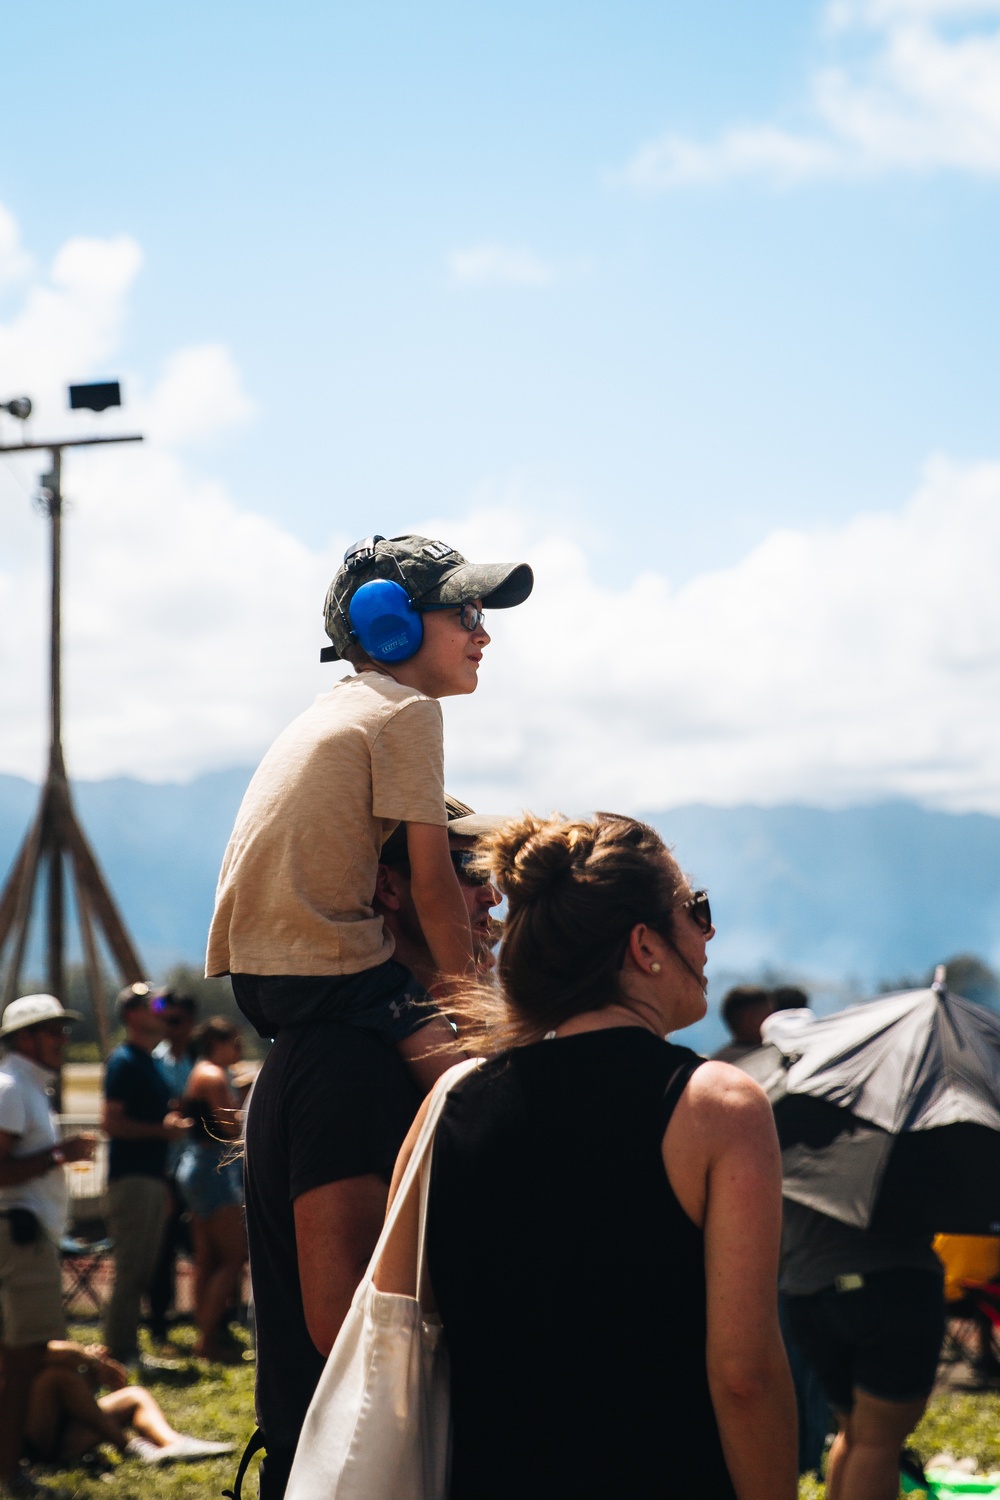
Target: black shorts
point(386, 999)
point(882, 1338)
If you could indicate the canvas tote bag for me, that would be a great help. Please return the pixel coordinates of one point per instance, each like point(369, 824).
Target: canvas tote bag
point(378, 1426)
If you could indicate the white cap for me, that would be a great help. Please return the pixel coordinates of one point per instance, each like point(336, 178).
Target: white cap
point(31, 1010)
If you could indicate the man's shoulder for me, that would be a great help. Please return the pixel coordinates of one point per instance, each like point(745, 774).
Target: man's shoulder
point(124, 1059)
point(10, 1078)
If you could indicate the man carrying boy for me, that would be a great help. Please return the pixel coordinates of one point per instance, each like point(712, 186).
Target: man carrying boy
point(294, 923)
point(309, 957)
point(328, 1115)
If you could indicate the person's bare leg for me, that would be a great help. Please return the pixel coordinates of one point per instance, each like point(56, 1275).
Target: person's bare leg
point(874, 1436)
point(227, 1237)
point(835, 1458)
point(203, 1260)
point(430, 1052)
point(58, 1393)
point(136, 1407)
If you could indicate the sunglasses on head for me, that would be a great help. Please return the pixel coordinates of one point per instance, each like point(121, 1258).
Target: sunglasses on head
point(701, 911)
point(470, 617)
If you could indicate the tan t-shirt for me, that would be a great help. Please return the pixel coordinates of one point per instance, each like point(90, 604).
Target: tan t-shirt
point(297, 881)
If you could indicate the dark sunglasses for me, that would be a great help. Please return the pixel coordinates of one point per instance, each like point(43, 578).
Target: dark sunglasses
point(470, 617)
point(54, 1028)
point(701, 911)
point(468, 872)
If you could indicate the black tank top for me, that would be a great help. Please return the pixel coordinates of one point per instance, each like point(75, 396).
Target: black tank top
point(570, 1282)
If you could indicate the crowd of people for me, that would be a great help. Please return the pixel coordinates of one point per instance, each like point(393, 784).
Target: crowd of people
point(155, 1087)
point(605, 1229)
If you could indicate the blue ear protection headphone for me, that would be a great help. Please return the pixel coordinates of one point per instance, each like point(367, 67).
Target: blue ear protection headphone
point(381, 615)
point(385, 621)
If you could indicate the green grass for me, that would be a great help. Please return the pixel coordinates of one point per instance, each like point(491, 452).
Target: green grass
point(962, 1424)
point(213, 1402)
point(217, 1403)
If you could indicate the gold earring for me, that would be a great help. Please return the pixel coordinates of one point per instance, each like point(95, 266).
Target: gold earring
point(654, 967)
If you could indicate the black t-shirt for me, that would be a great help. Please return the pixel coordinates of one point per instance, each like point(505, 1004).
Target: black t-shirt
point(331, 1101)
point(133, 1078)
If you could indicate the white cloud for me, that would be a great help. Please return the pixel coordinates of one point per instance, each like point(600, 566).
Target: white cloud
point(14, 260)
point(919, 91)
point(200, 393)
point(827, 666)
point(500, 265)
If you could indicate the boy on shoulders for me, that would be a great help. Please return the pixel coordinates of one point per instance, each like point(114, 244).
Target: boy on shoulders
point(294, 923)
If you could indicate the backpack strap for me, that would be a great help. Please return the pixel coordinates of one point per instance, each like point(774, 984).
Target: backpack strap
point(257, 1441)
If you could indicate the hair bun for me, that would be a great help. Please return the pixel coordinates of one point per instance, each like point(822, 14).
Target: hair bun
point(528, 855)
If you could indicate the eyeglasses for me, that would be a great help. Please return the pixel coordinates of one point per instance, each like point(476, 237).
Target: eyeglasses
point(470, 617)
point(53, 1028)
point(701, 911)
point(466, 868)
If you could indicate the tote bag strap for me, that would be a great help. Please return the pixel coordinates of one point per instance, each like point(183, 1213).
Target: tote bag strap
point(421, 1151)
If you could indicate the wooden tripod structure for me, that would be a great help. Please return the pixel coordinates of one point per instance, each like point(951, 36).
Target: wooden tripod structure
point(55, 839)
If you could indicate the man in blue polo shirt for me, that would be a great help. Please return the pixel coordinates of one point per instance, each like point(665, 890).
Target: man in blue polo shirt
point(140, 1124)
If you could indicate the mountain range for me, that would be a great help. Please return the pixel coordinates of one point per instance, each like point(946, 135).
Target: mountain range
point(840, 901)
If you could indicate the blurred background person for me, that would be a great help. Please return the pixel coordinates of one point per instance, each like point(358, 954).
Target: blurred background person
point(67, 1420)
point(210, 1179)
point(788, 997)
point(140, 1124)
point(175, 1057)
point(866, 1309)
point(744, 1010)
point(34, 1202)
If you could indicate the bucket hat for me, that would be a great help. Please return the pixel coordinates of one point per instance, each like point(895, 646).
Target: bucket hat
point(32, 1010)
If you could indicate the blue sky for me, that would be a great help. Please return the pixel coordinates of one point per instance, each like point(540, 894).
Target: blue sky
point(666, 283)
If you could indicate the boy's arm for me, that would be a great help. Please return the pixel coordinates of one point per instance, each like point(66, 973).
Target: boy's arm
point(438, 899)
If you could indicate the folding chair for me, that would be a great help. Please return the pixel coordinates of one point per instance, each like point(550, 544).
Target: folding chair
point(82, 1261)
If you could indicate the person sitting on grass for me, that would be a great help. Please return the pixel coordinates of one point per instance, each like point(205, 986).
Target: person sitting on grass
point(67, 1419)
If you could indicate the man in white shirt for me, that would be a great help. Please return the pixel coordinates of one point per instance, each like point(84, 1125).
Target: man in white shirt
point(33, 1208)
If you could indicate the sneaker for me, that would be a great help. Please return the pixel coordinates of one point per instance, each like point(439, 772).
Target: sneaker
point(143, 1450)
point(187, 1449)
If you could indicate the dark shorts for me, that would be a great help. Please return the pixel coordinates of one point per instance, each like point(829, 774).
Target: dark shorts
point(882, 1338)
point(386, 999)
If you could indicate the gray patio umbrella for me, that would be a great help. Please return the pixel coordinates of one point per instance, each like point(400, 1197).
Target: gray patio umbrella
point(888, 1113)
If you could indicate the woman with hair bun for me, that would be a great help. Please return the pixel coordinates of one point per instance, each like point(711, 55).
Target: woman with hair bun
point(604, 1210)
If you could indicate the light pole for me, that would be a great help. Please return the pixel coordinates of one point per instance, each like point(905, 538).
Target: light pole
point(55, 837)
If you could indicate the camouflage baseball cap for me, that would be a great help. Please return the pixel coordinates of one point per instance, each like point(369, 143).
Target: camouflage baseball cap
point(431, 573)
point(461, 820)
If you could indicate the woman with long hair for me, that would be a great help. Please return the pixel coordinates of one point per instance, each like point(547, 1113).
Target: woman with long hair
point(604, 1209)
point(210, 1178)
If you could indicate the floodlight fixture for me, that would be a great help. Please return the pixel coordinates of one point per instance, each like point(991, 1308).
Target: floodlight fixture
point(97, 396)
point(20, 407)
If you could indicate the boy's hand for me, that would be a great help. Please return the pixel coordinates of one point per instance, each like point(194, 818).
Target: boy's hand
point(440, 905)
